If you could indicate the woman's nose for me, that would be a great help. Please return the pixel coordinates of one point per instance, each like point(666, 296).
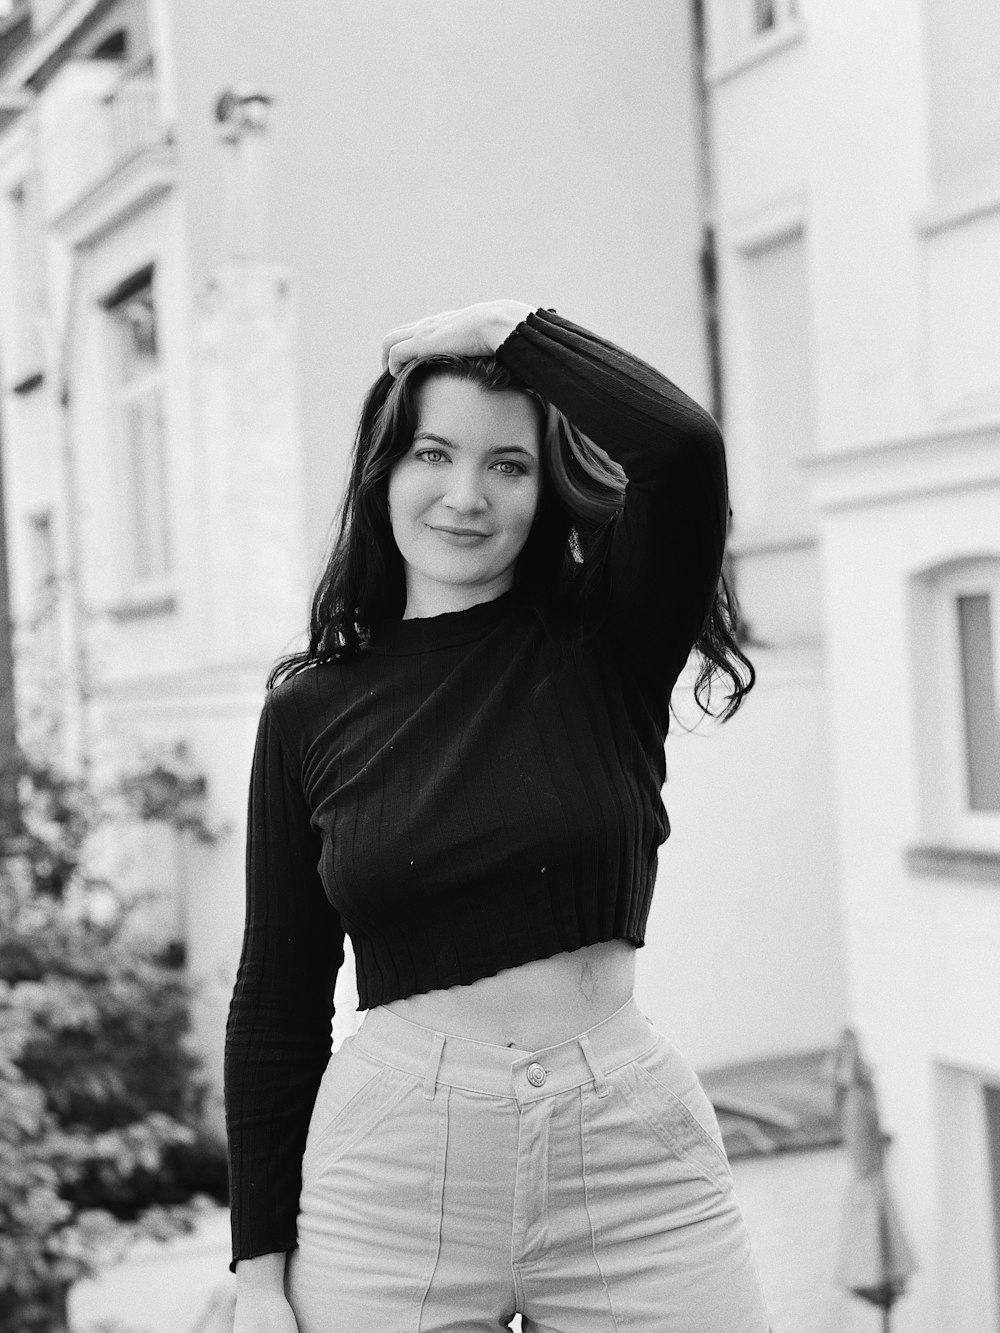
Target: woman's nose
point(465, 493)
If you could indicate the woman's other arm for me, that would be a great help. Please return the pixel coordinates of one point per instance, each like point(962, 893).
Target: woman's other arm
point(261, 1305)
point(278, 1033)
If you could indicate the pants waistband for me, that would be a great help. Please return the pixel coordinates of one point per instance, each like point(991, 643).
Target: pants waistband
point(504, 1071)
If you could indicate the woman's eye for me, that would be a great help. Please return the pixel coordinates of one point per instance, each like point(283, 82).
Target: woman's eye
point(511, 469)
point(431, 455)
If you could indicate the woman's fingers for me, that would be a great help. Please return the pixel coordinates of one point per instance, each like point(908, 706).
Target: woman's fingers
point(396, 357)
point(459, 332)
point(420, 327)
point(475, 330)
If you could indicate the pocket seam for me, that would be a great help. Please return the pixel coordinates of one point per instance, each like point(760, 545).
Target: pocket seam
point(382, 1109)
point(721, 1173)
point(380, 1075)
point(692, 1118)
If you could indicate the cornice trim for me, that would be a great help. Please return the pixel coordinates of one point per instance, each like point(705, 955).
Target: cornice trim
point(942, 459)
point(46, 45)
point(130, 187)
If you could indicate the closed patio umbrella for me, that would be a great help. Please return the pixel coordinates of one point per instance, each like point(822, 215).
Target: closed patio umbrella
point(875, 1259)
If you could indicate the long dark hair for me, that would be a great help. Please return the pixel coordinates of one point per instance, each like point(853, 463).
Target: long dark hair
point(560, 566)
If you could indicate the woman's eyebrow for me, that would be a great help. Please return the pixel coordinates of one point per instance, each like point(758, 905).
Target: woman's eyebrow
point(430, 435)
point(451, 444)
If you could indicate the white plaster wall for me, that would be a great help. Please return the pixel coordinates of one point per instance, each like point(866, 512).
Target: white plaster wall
point(867, 184)
point(922, 954)
point(961, 289)
point(425, 156)
point(744, 954)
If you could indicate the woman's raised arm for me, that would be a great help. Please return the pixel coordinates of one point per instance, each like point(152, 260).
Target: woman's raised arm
point(668, 540)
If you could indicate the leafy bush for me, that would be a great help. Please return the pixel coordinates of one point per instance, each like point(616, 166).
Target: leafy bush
point(100, 1095)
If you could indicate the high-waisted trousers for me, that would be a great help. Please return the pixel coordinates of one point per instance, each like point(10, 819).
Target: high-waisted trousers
point(448, 1184)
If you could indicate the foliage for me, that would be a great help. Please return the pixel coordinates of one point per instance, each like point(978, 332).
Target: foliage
point(100, 1095)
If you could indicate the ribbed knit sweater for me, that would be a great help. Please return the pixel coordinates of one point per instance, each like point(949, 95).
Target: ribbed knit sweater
point(462, 797)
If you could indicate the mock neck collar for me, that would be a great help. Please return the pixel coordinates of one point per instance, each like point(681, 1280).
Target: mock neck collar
point(426, 633)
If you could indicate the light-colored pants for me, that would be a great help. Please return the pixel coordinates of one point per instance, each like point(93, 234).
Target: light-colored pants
point(448, 1184)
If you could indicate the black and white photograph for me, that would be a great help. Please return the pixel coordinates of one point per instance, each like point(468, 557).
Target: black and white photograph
point(499, 666)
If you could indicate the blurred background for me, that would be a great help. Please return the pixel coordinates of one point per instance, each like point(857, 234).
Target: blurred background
point(209, 215)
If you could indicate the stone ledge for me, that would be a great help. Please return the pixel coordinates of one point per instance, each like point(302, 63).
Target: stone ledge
point(975, 865)
point(143, 606)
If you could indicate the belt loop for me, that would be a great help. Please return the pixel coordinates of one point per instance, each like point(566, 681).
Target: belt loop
point(600, 1082)
point(433, 1065)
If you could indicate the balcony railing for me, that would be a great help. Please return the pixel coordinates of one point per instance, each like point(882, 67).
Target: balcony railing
point(133, 105)
point(95, 118)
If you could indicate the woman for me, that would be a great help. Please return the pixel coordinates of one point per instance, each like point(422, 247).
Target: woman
point(463, 772)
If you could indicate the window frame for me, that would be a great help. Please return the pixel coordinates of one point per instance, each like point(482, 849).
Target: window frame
point(949, 785)
point(147, 523)
point(738, 40)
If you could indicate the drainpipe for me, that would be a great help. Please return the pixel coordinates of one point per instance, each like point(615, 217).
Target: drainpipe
point(79, 654)
point(8, 729)
point(709, 268)
point(707, 255)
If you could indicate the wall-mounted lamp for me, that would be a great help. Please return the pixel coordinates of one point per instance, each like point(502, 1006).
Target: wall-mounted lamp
point(241, 111)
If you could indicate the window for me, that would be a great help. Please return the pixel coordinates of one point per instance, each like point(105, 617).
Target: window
point(775, 285)
point(741, 33)
point(966, 1131)
point(749, 19)
point(958, 661)
point(978, 666)
point(992, 1099)
point(962, 45)
point(112, 47)
point(145, 525)
point(765, 15)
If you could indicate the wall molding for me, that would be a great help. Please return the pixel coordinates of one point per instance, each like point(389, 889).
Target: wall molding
point(962, 863)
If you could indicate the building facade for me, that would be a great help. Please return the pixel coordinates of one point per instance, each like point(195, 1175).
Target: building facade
point(191, 312)
point(856, 163)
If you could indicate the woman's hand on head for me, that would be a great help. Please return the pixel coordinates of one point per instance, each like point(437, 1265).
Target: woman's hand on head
point(476, 330)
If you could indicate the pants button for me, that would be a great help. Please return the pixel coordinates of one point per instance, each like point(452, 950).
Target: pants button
point(536, 1075)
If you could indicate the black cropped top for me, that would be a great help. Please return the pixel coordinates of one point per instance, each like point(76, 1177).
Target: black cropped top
point(461, 798)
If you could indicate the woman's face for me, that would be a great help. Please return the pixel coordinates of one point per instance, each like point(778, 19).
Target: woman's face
point(462, 499)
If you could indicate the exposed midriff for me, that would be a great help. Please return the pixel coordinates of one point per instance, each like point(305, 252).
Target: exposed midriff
point(537, 1004)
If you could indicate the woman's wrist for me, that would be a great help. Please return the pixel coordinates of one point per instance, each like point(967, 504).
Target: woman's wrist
point(476, 330)
point(505, 316)
point(264, 1272)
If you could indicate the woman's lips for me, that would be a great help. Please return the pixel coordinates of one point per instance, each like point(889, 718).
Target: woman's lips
point(460, 536)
